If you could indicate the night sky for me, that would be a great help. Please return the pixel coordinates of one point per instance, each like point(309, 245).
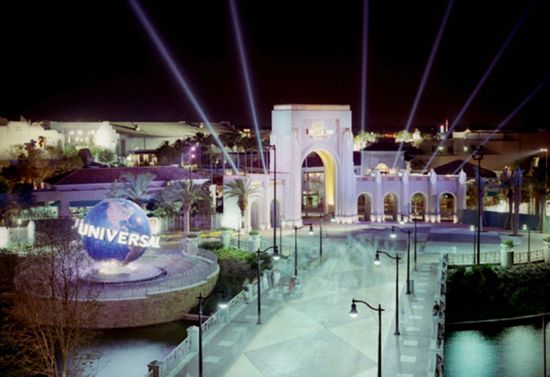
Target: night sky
point(91, 60)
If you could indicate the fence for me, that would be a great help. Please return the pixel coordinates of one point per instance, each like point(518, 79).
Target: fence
point(438, 334)
point(493, 257)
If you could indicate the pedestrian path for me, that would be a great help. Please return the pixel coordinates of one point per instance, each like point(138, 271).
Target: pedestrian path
point(311, 333)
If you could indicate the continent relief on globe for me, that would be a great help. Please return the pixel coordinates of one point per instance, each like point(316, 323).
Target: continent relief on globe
point(116, 229)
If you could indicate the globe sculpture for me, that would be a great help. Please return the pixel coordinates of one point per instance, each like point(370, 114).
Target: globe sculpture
point(116, 229)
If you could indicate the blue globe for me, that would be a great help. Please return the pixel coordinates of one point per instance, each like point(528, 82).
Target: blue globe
point(111, 230)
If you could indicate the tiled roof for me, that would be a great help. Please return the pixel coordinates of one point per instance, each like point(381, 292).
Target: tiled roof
point(469, 169)
point(109, 175)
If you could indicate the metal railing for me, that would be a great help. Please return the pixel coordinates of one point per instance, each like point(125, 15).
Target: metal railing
point(493, 257)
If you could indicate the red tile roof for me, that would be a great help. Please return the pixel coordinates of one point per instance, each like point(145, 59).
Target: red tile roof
point(109, 175)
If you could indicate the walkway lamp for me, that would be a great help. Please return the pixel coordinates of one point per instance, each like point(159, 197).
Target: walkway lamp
point(321, 238)
point(545, 150)
point(276, 254)
point(202, 300)
point(273, 147)
point(281, 235)
point(414, 220)
point(528, 229)
point(473, 230)
point(394, 235)
point(354, 313)
point(478, 156)
point(397, 258)
point(296, 228)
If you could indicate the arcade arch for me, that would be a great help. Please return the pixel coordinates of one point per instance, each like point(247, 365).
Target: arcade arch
point(447, 207)
point(255, 215)
point(364, 207)
point(418, 206)
point(391, 205)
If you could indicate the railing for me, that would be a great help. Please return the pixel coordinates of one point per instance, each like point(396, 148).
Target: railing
point(493, 257)
point(438, 334)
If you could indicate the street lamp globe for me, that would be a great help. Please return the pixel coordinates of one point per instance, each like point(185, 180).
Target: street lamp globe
point(353, 312)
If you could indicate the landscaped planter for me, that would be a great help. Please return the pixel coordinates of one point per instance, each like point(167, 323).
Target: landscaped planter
point(226, 238)
point(546, 251)
point(253, 243)
point(507, 253)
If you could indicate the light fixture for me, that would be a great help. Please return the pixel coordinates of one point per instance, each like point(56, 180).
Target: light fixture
point(222, 305)
point(311, 232)
point(353, 312)
point(524, 227)
point(377, 259)
point(472, 228)
point(393, 234)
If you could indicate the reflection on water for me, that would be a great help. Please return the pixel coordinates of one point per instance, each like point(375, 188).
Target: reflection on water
point(514, 351)
point(126, 352)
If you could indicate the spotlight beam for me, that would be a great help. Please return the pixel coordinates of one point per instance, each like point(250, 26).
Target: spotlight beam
point(364, 59)
point(246, 76)
point(480, 84)
point(178, 75)
point(425, 75)
point(506, 120)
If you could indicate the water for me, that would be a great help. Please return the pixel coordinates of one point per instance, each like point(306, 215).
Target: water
point(126, 352)
point(514, 351)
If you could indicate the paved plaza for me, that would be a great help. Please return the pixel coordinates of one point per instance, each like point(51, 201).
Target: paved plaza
point(310, 332)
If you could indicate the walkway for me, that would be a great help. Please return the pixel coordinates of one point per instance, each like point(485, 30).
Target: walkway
point(312, 334)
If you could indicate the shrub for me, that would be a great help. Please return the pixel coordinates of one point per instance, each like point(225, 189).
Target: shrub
point(508, 243)
point(253, 232)
point(225, 253)
point(191, 235)
point(211, 245)
point(546, 239)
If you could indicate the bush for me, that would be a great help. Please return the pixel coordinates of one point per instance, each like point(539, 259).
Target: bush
point(211, 245)
point(230, 252)
point(191, 235)
point(253, 232)
point(508, 243)
point(546, 239)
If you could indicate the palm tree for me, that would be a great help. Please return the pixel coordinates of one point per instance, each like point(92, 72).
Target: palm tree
point(131, 187)
point(188, 193)
point(241, 190)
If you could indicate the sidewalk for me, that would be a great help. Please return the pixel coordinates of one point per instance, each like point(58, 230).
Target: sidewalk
point(312, 333)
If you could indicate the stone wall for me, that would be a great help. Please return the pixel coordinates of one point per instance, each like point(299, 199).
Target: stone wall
point(153, 309)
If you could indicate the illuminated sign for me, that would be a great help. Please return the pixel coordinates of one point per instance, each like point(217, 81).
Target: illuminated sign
point(319, 131)
point(116, 229)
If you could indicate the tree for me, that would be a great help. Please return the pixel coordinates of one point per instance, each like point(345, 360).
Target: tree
point(188, 193)
point(131, 187)
point(54, 309)
point(241, 190)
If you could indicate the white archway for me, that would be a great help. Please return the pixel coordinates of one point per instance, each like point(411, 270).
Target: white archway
point(330, 175)
point(255, 215)
point(391, 206)
point(447, 207)
point(364, 206)
point(419, 204)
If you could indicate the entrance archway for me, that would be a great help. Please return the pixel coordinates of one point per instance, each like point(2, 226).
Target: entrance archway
point(318, 183)
point(418, 206)
point(364, 207)
point(447, 207)
point(391, 204)
point(255, 215)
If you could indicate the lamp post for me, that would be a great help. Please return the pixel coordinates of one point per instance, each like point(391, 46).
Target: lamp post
point(281, 235)
point(414, 220)
point(275, 256)
point(528, 229)
point(397, 258)
point(545, 150)
point(353, 313)
point(478, 156)
point(394, 235)
point(296, 228)
point(239, 234)
point(274, 149)
point(202, 300)
point(473, 230)
point(321, 238)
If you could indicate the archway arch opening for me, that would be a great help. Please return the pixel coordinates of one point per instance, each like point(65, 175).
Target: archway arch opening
point(418, 206)
point(255, 215)
point(318, 184)
point(391, 205)
point(274, 222)
point(447, 207)
point(364, 207)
